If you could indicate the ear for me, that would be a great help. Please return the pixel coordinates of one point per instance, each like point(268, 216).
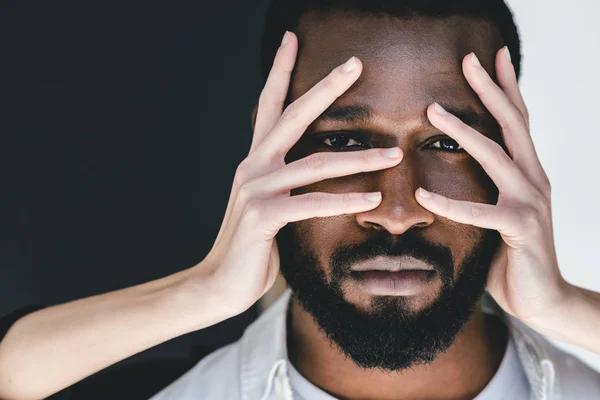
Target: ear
point(253, 117)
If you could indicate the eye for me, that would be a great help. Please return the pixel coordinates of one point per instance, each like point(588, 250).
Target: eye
point(342, 141)
point(449, 145)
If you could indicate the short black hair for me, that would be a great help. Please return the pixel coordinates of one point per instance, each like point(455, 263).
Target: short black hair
point(286, 14)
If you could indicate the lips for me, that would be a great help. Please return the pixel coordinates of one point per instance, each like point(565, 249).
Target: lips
point(394, 276)
point(391, 264)
point(407, 275)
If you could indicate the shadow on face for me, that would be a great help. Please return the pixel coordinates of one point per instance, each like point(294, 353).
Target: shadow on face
point(407, 65)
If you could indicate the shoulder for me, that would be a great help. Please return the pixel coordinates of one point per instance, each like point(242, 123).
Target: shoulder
point(240, 369)
point(575, 379)
point(548, 367)
point(214, 377)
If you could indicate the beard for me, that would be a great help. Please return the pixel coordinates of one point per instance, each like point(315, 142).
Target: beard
point(389, 336)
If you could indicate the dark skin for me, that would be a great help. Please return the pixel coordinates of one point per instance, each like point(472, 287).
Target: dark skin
point(407, 65)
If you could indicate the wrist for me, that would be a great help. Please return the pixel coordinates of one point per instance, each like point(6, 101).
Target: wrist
point(562, 316)
point(549, 319)
point(203, 296)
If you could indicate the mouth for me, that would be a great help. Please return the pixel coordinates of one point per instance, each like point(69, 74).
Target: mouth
point(393, 276)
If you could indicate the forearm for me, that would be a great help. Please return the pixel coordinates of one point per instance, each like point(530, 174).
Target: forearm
point(56, 347)
point(578, 321)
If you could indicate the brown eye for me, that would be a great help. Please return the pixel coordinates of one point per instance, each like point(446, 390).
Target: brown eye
point(340, 141)
point(447, 145)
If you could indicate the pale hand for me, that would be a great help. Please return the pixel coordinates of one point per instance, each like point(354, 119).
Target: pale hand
point(244, 260)
point(524, 275)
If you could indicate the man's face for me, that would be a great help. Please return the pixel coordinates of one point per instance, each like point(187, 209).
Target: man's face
point(334, 265)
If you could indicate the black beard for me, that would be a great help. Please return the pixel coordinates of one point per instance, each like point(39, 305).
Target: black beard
point(388, 337)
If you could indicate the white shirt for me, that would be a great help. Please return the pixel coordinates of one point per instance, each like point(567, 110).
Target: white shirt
point(257, 366)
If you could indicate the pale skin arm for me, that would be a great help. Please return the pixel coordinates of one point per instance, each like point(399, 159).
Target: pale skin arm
point(524, 276)
point(51, 349)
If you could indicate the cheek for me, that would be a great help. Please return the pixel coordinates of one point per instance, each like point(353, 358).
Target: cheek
point(319, 236)
point(462, 179)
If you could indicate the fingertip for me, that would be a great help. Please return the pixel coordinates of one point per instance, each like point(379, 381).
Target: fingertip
point(466, 61)
point(353, 66)
point(358, 62)
point(285, 58)
point(506, 53)
point(432, 112)
point(505, 69)
point(423, 194)
point(288, 38)
point(292, 38)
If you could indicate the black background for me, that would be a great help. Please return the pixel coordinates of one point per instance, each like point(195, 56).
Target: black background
point(121, 126)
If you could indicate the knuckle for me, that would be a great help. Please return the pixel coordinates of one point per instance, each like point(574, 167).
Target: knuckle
point(366, 157)
point(546, 187)
point(525, 112)
point(347, 199)
point(501, 159)
point(330, 81)
point(513, 121)
point(498, 157)
point(314, 201)
point(530, 218)
point(270, 100)
point(539, 205)
point(507, 124)
point(242, 171)
point(254, 211)
point(477, 212)
point(278, 157)
point(537, 198)
point(290, 114)
point(245, 192)
point(316, 161)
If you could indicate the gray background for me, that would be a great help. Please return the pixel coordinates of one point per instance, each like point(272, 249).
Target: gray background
point(560, 84)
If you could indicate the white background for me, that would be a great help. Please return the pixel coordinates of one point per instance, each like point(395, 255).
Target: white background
point(560, 82)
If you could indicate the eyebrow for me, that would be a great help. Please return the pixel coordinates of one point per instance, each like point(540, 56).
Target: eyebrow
point(363, 114)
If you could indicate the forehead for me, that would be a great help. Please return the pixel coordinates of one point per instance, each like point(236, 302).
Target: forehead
point(407, 63)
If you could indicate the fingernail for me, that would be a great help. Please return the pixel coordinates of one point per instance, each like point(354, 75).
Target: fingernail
point(439, 109)
point(286, 38)
point(424, 193)
point(349, 65)
point(375, 197)
point(393, 152)
point(507, 54)
point(475, 60)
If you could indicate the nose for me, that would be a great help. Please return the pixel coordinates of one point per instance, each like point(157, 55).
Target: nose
point(398, 211)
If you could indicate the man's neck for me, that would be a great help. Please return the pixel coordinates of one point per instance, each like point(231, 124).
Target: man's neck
point(459, 373)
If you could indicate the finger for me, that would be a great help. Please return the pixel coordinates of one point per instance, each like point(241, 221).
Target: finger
point(507, 79)
point(272, 97)
point(280, 211)
point(494, 160)
point(507, 114)
point(302, 112)
point(325, 165)
point(465, 212)
point(515, 129)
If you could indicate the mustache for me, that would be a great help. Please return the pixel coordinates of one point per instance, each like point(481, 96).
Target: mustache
point(383, 244)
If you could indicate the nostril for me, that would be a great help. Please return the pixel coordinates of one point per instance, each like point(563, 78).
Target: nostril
point(421, 225)
point(375, 226)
